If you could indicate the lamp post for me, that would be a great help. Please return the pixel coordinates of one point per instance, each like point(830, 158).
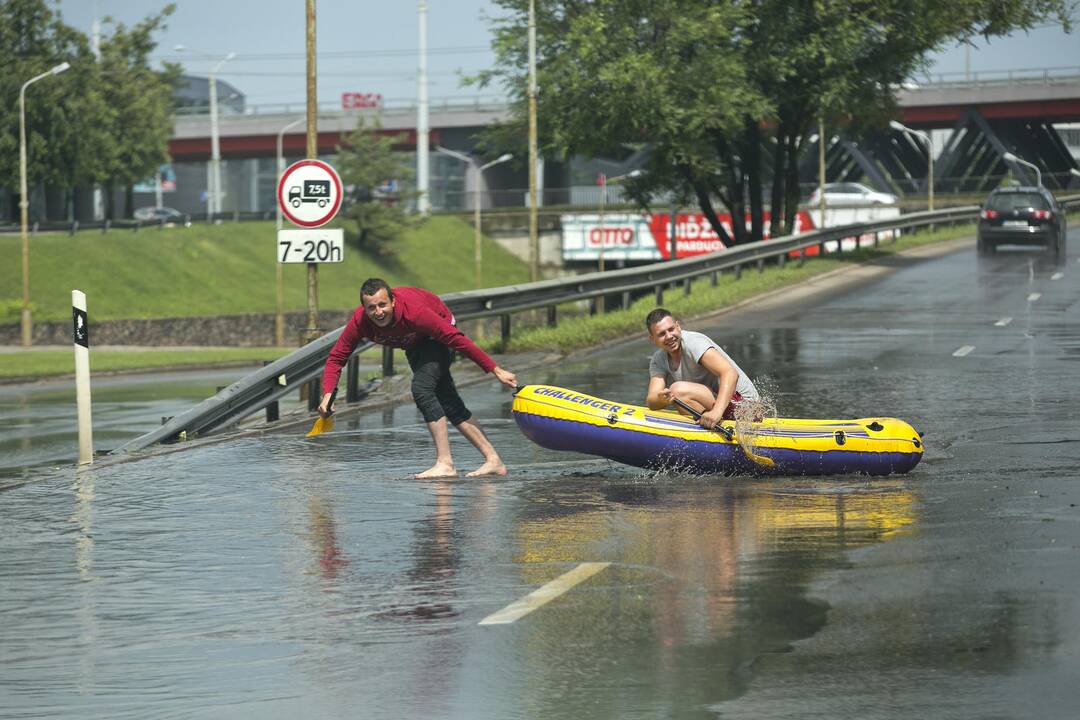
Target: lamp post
point(604, 182)
point(929, 155)
point(213, 199)
point(279, 317)
point(1010, 157)
point(24, 201)
point(479, 170)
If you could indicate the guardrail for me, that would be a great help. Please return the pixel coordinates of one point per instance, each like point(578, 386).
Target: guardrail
point(267, 385)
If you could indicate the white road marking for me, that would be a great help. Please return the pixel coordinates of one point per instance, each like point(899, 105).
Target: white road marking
point(1034, 296)
point(961, 352)
point(1057, 276)
point(1003, 321)
point(543, 595)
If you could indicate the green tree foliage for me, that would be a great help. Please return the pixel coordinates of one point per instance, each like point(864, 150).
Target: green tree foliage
point(140, 105)
point(726, 93)
point(366, 161)
point(101, 121)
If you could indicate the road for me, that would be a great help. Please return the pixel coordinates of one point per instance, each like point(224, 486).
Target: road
point(278, 576)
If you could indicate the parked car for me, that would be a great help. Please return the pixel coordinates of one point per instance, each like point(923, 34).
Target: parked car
point(1021, 216)
point(849, 193)
point(161, 215)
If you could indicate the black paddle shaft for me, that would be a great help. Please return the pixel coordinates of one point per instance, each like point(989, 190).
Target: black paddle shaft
point(726, 432)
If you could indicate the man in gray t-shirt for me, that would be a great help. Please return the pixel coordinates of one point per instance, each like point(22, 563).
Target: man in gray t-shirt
point(691, 367)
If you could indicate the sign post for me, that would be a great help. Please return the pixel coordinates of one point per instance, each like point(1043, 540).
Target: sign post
point(81, 340)
point(309, 194)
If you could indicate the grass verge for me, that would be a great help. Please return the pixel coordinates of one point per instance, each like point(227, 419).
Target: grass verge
point(51, 363)
point(227, 269)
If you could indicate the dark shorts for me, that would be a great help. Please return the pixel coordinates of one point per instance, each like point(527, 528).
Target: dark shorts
point(729, 411)
point(433, 387)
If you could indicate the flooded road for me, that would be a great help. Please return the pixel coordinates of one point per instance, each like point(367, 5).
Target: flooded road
point(280, 576)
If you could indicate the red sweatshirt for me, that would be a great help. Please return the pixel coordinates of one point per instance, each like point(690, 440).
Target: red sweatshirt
point(418, 314)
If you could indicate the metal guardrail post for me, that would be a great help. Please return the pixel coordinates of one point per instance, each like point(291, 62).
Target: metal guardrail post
point(686, 286)
point(352, 379)
point(715, 279)
point(802, 257)
point(552, 316)
point(504, 329)
point(761, 265)
point(738, 272)
point(313, 394)
point(659, 292)
point(387, 361)
point(273, 412)
point(780, 260)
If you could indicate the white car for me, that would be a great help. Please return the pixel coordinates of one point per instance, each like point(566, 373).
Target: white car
point(161, 215)
point(849, 193)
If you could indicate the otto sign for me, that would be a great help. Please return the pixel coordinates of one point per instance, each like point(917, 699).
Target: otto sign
point(309, 193)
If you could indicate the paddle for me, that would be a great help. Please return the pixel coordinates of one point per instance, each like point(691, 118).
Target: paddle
point(729, 433)
point(324, 424)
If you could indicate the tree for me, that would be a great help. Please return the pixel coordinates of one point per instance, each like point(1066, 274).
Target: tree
point(99, 122)
point(367, 162)
point(140, 105)
point(32, 40)
point(726, 93)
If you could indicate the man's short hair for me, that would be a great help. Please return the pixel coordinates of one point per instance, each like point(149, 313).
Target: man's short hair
point(656, 316)
point(374, 285)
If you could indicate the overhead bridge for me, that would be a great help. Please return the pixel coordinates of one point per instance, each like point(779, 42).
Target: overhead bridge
point(288, 374)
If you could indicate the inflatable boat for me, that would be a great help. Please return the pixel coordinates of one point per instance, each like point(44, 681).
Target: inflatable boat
point(562, 419)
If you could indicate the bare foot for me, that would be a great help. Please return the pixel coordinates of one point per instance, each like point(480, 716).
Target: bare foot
point(438, 470)
point(491, 467)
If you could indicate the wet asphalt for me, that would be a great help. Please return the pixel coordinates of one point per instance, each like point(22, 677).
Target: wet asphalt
point(279, 576)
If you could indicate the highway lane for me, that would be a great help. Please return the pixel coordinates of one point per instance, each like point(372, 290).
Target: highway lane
point(278, 576)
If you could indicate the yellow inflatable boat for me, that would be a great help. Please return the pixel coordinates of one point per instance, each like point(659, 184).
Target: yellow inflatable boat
point(562, 419)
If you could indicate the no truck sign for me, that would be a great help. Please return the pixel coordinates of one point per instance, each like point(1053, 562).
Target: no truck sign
point(309, 193)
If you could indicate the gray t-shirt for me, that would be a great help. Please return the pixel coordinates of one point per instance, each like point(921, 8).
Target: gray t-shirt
point(694, 345)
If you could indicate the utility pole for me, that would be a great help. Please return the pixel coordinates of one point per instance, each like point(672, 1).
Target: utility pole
point(423, 181)
point(312, 154)
point(821, 169)
point(534, 241)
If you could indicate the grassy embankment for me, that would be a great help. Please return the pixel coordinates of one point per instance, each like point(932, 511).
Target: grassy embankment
point(214, 270)
point(575, 332)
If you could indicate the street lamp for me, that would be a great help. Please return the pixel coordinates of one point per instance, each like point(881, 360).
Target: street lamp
point(929, 154)
point(604, 182)
point(1009, 157)
point(24, 201)
point(213, 199)
point(479, 170)
point(279, 317)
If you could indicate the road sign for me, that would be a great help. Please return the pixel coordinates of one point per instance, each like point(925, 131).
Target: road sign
point(324, 245)
point(309, 193)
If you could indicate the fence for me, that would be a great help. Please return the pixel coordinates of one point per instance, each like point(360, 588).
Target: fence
point(264, 387)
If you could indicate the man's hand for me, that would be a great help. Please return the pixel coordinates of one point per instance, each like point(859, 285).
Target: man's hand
point(709, 420)
point(325, 408)
point(506, 377)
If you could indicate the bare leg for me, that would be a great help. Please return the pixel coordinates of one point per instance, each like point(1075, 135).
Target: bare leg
point(493, 464)
point(444, 462)
point(694, 394)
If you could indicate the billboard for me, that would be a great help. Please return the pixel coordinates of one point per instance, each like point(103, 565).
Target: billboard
point(647, 237)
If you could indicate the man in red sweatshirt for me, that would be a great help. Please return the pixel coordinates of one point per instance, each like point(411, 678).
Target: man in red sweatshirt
point(420, 323)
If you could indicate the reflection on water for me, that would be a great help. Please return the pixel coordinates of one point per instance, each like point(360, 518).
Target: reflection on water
point(706, 579)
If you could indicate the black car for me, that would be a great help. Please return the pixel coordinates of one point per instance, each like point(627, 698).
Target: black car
point(1021, 216)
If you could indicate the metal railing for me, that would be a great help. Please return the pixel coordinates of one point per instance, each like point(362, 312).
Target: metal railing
point(265, 386)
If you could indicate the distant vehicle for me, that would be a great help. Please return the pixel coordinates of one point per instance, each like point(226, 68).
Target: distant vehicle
point(849, 193)
point(161, 214)
point(1021, 216)
point(316, 191)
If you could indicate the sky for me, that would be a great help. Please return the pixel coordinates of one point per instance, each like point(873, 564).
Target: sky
point(368, 46)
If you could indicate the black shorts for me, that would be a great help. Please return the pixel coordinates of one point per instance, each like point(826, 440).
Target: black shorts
point(433, 387)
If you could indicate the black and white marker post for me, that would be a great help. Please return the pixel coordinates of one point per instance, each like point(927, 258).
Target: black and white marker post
point(81, 339)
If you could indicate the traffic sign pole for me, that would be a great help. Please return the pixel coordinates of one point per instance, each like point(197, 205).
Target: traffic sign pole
point(313, 154)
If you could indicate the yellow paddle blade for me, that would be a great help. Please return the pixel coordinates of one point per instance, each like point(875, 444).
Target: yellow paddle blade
point(321, 425)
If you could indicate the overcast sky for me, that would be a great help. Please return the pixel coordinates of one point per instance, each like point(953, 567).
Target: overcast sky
point(370, 46)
